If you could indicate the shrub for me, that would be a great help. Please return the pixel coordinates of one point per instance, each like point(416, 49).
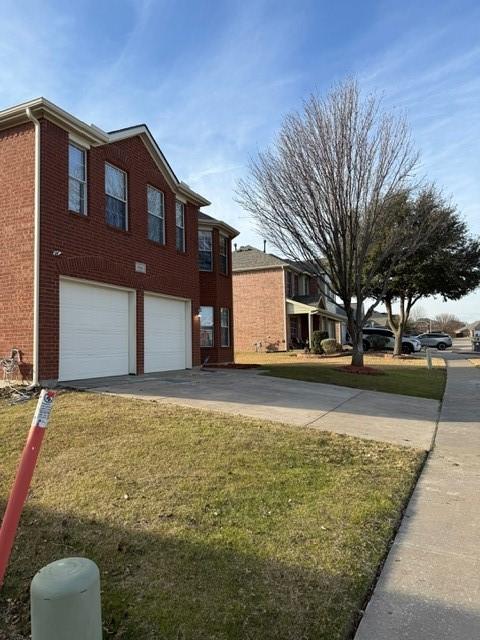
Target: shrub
point(317, 337)
point(329, 345)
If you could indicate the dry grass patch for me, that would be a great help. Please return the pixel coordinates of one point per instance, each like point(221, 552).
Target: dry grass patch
point(204, 526)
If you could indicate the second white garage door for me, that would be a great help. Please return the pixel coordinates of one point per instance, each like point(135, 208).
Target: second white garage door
point(167, 334)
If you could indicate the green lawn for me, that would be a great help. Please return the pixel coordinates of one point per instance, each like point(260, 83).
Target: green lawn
point(409, 381)
point(204, 526)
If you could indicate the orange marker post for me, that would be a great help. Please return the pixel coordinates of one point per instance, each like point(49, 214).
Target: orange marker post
point(23, 478)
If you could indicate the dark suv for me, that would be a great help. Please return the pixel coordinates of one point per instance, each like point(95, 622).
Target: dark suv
point(435, 339)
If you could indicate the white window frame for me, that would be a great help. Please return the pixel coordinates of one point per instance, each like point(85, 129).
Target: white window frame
point(212, 326)
point(224, 239)
point(210, 232)
point(84, 182)
point(182, 204)
point(151, 213)
point(116, 197)
point(222, 326)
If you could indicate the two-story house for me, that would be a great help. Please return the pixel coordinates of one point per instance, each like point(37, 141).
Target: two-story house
point(278, 304)
point(100, 253)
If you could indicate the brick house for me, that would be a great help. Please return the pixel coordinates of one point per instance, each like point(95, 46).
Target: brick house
point(100, 253)
point(278, 303)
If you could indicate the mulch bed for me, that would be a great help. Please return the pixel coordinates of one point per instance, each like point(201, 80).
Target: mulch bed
point(366, 371)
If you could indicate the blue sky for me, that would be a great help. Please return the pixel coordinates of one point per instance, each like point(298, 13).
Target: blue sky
point(213, 80)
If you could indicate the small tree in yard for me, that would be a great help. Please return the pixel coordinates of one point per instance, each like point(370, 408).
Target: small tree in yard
point(323, 193)
point(447, 263)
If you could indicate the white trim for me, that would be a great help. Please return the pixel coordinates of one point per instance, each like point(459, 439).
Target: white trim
point(180, 198)
point(93, 135)
point(36, 249)
point(79, 141)
point(229, 231)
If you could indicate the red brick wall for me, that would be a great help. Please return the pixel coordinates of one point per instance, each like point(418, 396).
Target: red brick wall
point(216, 291)
point(92, 250)
point(17, 171)
point(259, 309)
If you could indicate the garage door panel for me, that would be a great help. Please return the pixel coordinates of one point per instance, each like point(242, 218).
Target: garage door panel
point(165, 329)
point(94, 331)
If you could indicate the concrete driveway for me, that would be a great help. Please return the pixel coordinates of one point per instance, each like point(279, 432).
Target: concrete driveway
point(366, 414)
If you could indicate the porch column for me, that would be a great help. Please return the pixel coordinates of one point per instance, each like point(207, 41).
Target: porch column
point(310, 330)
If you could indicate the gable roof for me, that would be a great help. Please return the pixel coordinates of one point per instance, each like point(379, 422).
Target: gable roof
point(249, 258)
point(208, 221)
point(94, 136)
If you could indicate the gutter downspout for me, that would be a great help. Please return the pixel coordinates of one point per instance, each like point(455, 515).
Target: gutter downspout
point(36, 248)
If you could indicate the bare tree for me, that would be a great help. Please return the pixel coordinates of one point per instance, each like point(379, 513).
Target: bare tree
point(448, 322)
point(323, 192)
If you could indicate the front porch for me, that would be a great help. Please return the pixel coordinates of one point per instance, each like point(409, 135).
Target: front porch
point(303, 320)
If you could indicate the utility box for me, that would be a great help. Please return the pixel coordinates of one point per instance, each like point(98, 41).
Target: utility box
point(65, 601)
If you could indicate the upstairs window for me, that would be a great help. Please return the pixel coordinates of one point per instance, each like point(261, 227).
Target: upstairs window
point(156, 215)
point(306, 286)
point(180, 225)
point(205, 253)
point(224, 255)
point(288, 279)
point(77, 179)
point(206, 326)
point(225, 327)
point(115, 197)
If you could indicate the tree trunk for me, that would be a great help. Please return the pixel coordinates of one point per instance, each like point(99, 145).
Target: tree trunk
point(397, 325)
point(356, 335)
point(357, 353)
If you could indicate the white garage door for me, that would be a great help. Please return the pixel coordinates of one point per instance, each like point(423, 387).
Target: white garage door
point(94, 331)
point(167, 334)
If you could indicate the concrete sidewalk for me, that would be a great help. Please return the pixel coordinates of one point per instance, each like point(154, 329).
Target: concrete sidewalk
point(429, 588)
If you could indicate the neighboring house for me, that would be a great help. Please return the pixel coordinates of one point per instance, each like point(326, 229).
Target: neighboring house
point(278, 304)
point(378, 319)
point(471, 330)
point(100, 253)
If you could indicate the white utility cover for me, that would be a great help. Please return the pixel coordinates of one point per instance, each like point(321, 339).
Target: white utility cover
point(165, 334)
point(94, 331)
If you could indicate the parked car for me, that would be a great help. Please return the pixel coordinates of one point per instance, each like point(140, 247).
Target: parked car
point(409, 344)
point(435, 339)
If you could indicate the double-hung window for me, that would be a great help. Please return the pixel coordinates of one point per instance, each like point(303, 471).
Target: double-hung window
point(225, 327)
point(206, 326)
point(180, 225)
point(224, 255)
point(156, 215)
point(116, 197)
point(77, 179)
point(205, 253)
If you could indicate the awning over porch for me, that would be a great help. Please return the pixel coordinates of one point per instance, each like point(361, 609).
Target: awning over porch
point(294, 307)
